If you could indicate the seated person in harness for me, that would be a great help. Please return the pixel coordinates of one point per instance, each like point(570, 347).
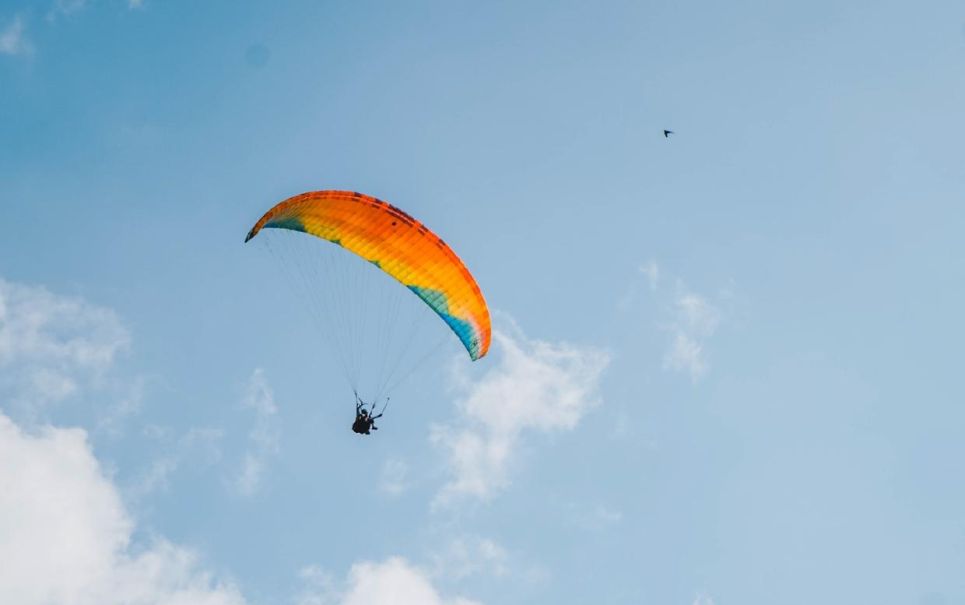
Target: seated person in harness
point(364, 422)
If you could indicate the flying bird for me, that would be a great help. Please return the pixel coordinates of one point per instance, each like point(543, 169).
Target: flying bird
point(667, 133)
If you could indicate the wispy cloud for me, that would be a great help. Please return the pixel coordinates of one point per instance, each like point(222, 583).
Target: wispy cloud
point(466, 556)
point(690, 319)
point(702, 599)
point(201, 447)
point(128, 404)
point(37, 326)
point(68, 537)
point(394, 581)
point(263, 439)
point(532, 386)
point(694, 321)
point(318, 587)
point(51, 345)
point(13, 38)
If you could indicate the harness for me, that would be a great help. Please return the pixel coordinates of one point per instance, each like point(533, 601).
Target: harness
point(364, 422)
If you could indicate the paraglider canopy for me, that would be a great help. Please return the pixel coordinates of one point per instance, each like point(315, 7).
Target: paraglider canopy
point(400, 246)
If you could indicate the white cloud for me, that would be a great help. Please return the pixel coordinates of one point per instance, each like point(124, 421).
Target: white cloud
point(199, 445)
point(128, 404)
point(697, 314)
point(50, 385)
point(694, 321)
point(52, 345)
point(156, 477)
point(702, 599)
point(534, 385)
point(392, 479)
point(13, 39)
point(685, 353)
point(392, 582)
point(67, 536)
point(318, 587)
point(471, 555)
point(264, 437)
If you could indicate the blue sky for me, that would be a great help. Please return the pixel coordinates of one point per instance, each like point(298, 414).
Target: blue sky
point(726, 362)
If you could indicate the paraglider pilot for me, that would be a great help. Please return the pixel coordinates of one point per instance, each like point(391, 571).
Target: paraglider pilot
point(364, 422)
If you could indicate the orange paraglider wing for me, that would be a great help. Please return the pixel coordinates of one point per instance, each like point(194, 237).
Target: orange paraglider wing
point(397, 244)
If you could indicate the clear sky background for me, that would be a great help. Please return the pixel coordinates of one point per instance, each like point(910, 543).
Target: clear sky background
point(728, 363)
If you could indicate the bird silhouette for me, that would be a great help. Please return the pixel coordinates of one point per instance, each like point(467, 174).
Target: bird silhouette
point(667, 133)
